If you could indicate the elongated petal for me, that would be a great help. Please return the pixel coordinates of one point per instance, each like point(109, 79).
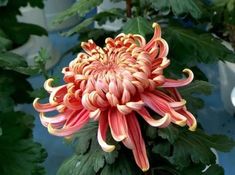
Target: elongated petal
point(162, 107)
point(72, 103)
point(135, 136)
point(118, 125)
point(191, 120)
point(179, 83)
point(55, 119)
point(101, 136)
point(74, 117)
point(161, 123)
point(68, 131)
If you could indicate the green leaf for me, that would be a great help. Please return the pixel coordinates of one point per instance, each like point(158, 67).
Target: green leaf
point(194, 169)
point(190, 46)
point(229, 4)
point(25, 30)
point(171, 133)
point(200, 169)
point(179, 7)
point(196, 147)
point(188, 148)
point(121, 167)
point(90, 155)
point(10, 93)
point(5, 42)
point(101, 18)
point(162, 148)
point(21, 154)
point(9, 60)
point(77, 29)
point(197, 87)
point(138, 25)
point(3, 2)
point(109, 15)
point(80, 7)
point(72, 166)
point(151, 132)
point(191, 91)
point(214, 170)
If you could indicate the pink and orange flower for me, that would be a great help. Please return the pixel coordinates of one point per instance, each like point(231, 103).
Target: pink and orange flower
point(114, 86)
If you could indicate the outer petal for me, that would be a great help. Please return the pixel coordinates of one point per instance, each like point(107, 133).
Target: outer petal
point(43, 107)
point(162, 107)
point(162, 123)
point(101, 136)
point(191, 120)
point(52, 120)
point(179, 83)
point(135, 137)
point(69, 130)
point(118, 124)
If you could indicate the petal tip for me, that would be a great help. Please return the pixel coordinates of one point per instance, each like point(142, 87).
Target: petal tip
point(181, 122)
point(109, 148)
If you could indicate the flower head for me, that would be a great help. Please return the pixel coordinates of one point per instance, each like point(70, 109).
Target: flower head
point(114, 86)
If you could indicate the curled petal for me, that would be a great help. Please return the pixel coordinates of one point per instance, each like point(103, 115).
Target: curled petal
point(161, 123)
point(101, 136)
point(47, 85)
point(191, 120)
point(178, 105)
point(135, 105)
point(179, 83)
point(43, 107)
point(95, 114)
point(58, 94)
point(53, 120)
point(124, 109)
point(118, 125)
point(86, 102)
point(157, 34)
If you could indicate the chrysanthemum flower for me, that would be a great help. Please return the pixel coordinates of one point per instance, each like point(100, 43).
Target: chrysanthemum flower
point(114, 86)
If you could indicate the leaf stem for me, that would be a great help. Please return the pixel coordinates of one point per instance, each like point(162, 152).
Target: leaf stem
point(128, 8)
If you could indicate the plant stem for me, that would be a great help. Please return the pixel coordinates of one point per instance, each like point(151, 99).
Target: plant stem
point(128, 8)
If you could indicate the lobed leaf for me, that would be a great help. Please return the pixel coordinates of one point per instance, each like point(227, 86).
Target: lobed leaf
point(19, 153)
point(138, 25)
point(80, 7)
point(190, 46)
point(179, 7)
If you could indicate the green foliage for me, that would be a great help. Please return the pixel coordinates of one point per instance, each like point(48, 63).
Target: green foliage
point(90, 157)
point(19, 153)
point(138, 25)
point(18, 33)
point(80, 7)
point(223, 19)
point(25, 31)
point(191, 94)
point(199, 169)
point(9, 60)
point(197, 46)
point(190, 146)
point(179, 7)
